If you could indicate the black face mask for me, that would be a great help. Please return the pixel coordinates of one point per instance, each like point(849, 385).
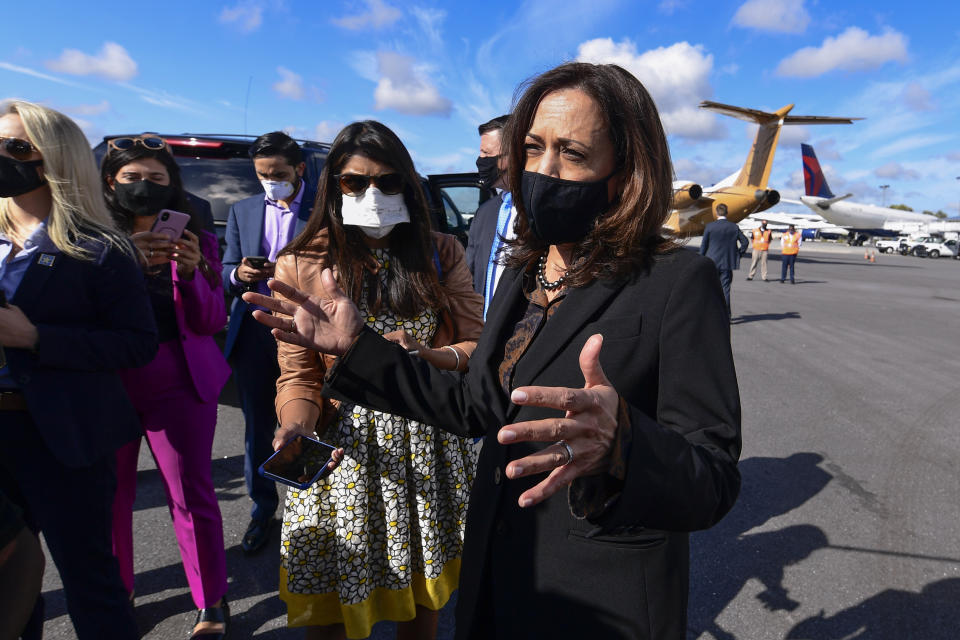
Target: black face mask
point(489, 171)
point(143, 198)
point(561, 211)
point(19, 176)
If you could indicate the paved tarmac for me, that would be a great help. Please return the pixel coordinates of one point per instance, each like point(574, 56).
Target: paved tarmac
point(847, 523)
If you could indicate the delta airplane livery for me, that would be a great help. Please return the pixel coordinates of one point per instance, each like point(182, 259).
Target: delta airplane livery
point(863, 220)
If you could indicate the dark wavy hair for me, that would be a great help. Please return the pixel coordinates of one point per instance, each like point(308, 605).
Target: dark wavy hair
point(627, 236)
point(412, 284)
point(115, 160)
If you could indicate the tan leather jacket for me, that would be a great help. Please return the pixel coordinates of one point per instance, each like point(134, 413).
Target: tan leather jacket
point(302, 370)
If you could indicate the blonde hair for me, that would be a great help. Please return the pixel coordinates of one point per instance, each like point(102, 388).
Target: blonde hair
point(78, 216)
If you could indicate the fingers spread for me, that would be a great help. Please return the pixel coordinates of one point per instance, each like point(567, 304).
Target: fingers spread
point(547, 430)
point(291, 293)
point(274, 304)
point(542, 461)
point(554, 397)
point(558, 479)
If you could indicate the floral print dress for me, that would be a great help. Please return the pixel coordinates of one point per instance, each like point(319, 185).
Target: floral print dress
point(384, 532)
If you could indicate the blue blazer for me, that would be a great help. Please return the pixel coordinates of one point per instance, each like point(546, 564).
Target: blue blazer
point(93, 318)
point(245, 238)
point(724, 243)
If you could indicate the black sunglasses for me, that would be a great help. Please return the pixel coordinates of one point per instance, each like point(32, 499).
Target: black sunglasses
point(155, 143)
point(18, 148)
point(354, 184)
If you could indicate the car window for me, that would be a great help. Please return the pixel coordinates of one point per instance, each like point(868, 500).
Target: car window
point(221, 181)
point(464, 199)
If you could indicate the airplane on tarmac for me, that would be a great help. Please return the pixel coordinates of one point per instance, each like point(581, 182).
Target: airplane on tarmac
point(863, 220)
point(745, 191)
point(810, 224)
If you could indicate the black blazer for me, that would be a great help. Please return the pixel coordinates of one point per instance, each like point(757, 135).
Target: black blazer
point(483, 230)
point(724, 243)
point(93, 318)
point(540, 571)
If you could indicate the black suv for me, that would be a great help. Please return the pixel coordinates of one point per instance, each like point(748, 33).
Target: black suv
point(218, 169)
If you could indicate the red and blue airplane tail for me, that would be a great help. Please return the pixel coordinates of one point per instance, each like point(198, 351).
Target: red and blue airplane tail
point(813, 181)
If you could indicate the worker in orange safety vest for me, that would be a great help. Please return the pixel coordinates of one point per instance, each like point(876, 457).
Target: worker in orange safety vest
point(761, 245)
point(789, 248)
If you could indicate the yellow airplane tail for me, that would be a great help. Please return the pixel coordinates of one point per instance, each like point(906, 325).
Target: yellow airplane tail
point(756, 169)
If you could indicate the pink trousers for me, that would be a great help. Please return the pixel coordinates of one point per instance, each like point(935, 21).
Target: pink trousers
point(179, 430)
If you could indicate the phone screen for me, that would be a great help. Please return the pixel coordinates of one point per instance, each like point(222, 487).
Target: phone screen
point(300, 463)
point(257, 262)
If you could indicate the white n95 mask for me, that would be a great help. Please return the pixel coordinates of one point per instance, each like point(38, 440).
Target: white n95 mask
point(277, 190)
point(374, 212)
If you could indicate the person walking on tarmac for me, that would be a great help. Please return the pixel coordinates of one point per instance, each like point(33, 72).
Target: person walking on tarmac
point(789, 248)
point(761, 246)
point(725, 244)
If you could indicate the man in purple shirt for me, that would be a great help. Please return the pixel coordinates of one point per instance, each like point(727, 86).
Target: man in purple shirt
point(258, 228)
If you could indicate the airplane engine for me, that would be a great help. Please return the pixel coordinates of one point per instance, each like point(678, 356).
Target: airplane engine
point(685, 194)
point(769, 196)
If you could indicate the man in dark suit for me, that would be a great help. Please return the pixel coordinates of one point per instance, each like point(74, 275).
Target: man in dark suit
point(258, 228)
point(494, 218)
point(724, 243)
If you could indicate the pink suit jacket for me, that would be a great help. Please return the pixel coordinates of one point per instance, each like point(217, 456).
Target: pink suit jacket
point(201, 313)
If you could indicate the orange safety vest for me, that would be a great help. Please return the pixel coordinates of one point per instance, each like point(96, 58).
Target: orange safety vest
point(791, 243)
point(761, 239)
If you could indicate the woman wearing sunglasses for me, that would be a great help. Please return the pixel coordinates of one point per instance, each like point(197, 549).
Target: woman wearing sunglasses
point(73, 312)
point(176, 394)
point(380, 538)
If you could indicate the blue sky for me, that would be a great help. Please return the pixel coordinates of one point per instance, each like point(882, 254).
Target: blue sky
point(434, 70)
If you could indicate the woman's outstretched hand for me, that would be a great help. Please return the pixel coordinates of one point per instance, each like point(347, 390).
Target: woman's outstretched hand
point(328, 324)
point(588, 429)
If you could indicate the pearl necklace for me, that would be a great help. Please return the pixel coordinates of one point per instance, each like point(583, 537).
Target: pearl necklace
point(541, 276)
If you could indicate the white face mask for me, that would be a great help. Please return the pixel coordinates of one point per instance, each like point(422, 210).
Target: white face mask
point(375, 213)
point(277, 190)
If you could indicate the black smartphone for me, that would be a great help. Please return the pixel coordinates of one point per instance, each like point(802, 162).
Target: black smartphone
point(299, 463)
point(257, 262)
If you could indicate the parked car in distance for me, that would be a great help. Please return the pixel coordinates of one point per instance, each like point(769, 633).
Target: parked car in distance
point(932, 247)
point(890, 245)
point(218, 168)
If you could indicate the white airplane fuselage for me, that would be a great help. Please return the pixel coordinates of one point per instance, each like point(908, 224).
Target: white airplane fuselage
point(860, 216)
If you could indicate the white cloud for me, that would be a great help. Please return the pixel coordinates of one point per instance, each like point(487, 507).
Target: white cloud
point(782, 16)
point(669, 6)
point(430, 21)
point(246, 16)
point(37, 74)
point(896, 171)
point(916, 97)
point(699, 170)
point(852, 50)
point(89, 109)
point(678, 78)
point(290, 84)
point(954, 156)
point(378, 15)
point(164, 99)
point(112, 62)
point(911, 142)
point(327, 130)
point(827, 149)
point(405, 87)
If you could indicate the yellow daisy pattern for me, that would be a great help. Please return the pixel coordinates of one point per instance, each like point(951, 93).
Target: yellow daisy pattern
point(390, 517)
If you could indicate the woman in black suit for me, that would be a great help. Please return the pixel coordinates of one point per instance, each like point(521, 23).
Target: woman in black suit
point(605, 364)
point(78, 312)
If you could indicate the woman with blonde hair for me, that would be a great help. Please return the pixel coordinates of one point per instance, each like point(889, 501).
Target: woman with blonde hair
point(75, 311)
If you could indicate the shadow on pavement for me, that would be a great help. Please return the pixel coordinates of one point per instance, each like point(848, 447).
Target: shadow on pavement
point(725, 557)
point(228, 483)
point(758, 317)
point(891, 615)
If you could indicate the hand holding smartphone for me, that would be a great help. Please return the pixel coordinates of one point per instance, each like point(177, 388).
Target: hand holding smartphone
point(170, 223)
point(299, 463)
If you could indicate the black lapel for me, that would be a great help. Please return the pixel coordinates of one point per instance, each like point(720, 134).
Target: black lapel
point(44, 262)
point(581, 306)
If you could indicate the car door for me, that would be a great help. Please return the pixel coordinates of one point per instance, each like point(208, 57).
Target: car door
point(455, 198)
